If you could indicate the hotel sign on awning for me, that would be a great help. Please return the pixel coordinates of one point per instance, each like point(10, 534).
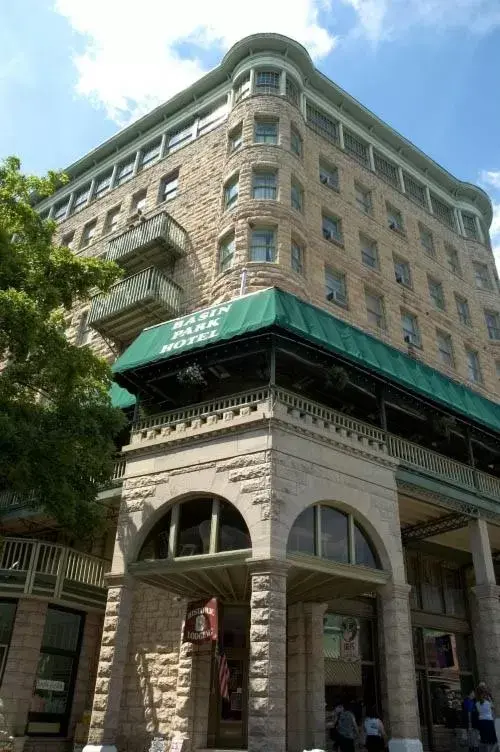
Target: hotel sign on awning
point(201, 623)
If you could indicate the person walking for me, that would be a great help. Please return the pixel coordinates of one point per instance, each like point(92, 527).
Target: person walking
point(347, 730)
point(486, 717)
point(375, 736)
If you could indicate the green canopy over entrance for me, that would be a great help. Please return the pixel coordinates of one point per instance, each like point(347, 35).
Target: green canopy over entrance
point(278, 310)
point(120, 397)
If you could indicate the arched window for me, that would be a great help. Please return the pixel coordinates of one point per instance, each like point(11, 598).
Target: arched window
point(195, 527)
point(326, 532)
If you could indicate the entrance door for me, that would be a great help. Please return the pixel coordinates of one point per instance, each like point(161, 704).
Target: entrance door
point(231, 730)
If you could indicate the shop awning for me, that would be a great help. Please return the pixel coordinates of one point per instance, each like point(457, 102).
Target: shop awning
point(120, 397)
point(281, 311)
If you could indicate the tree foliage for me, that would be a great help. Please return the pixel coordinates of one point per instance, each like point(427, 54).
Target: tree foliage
point(57, 426)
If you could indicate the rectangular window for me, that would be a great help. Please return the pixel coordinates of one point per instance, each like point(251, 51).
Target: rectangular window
point(332, 229)
point(452, 259)
point(231, 191)
point(321, 123)
point(463, 311)
point(394, 218)
point(442, 211)
point(470, 227)
point(402, 271)
point(497, 371)
point(473, 368)
point(125, 171)
point(263, 245)
point(363, 198)
point(226, 252)
point(297, 196)
point(81, 199)
point(292, 92)
point(150, 154)
point(88, 234)
point(267, 82)
point(356, 147)
point(84, 333)
point(61, 209)
point(102, 185)
point(492, 319)
point(411, 331)
point(56, 673)
point(242, 89)
point(266, 132)
point(168, 186)
point(7, 617)
point(213, 118)
point(445, 349)
point(335, 287)
point(264, 185)
point(296, 142)
point(482, 275)
point(111, 221)
point(415, 191)
point(375, 310)
point(138, 202)
point(180, 138)
point(236, 138)
point(68, 240)
point(329, 175)
point(386, 169)
point(369, 252)
point(436, 293)
point(427, 240)
point(297, 257)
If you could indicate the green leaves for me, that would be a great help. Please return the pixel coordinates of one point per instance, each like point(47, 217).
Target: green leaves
point(57, 426)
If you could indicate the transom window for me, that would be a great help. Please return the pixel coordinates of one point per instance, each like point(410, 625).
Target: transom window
point(266, 131)
point(226, 252)
point(196, 527)
point(267, 82)
point(445, 349)
point(436, 293)
point(463, 311)
point(375, 309)
point(411, 331)
point(297, 257)
point(482, 275)
point(263, 245)
point(369, 251)
point(427, 240)
point(329, 175)
point(326, 532)
point(402, 271)
point(231, 190)
point(332, 229)
point(493, 324)
point(335, 287)
point(473, 367)
point(265, 185)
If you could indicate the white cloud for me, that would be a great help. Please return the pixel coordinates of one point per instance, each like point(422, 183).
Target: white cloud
point(131, 61)
point(490, 179)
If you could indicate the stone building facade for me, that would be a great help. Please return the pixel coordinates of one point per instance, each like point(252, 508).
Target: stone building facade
point(305, 341)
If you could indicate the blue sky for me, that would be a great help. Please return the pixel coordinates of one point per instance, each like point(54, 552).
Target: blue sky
point(72, 72)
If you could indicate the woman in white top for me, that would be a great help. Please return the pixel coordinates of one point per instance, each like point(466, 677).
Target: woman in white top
point(484, 707)
point(375, 737)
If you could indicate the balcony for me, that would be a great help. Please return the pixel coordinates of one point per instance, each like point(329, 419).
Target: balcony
point(157, 241)
point(146, 298)
point(33, 568)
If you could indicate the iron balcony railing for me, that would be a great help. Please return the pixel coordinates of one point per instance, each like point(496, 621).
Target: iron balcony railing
point(161, 229)
point(148, 284)
point(37, 568)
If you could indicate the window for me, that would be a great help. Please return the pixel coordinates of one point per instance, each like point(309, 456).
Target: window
point(61, 209)
point(356, 147)
point(68, 240)
point(493, 323)
point(264, 185)
point(427, 240)
point(266, 132)
point(402, 271)
point(168, 186)
point(180, 138)
point(88, 234)
point(231, 190)
point(415, 190)
point(369, 252)
point(470, 227)
point(473, 368)
point(322, 123)
point(482, 275)
point(150, 154)
point(297, 196)
point(436, 293)
point(386, 169)
point(452, 259)
point(267, 82)
point(411, 332)
point(296, 142)
point(56, 672)
point(442, 211)
point(102, 185)
point(138, 202)
point(236, 138)
point(125, 171)
point(463, 311)
point(242, 89)
point(297, 257)
point(375, 310)
point(497, 371)
point(7, 616)
point(81, 199)
point(84, 333)
point(226, 252)
point(329, 175)
point(292, 91)
point(111, 221)
point(363, 198)
point(332, 229)
point(263, 245)
point(445, 349)
point(335, 287)
point(394, 218)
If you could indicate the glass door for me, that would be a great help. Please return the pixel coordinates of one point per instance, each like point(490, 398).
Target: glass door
point(231, 731)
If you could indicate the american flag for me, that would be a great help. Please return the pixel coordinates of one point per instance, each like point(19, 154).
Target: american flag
point(223, 671)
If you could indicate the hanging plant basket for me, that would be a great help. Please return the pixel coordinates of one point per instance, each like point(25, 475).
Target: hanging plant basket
point(336, 378)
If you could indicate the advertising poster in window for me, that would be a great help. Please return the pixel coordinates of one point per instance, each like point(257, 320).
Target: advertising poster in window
point(349, 643)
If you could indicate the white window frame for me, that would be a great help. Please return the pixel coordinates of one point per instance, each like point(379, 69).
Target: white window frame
point(402, 272)
point(329, 175)
point(109, 225)
point(331, 228)
point(464, 319)
point(336, 287)
point(492, 319)
point(231, 192)
point(297, 257)
point(473, 366)
point(375, 314)
point(227, 246)
point(296, 142)
point(453, 260)
point(166, 193)
point(411, 333)
point(269, 139)
point(264, 184)
point(363, 197)
point(270, 249)
point(427, 240)
point(297, 196)
point(369, 260)
point(394, 218)
point(444, 344)
point(436, 293)
point(88, 233)
point(236, 138)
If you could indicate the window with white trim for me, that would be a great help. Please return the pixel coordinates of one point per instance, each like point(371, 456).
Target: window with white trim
point(102, 184)
point(138, 202)
point(335, 287)
point(111, 221)
point(125, 170)
point(88, 233)
point(267, 82)
point(329, 175)
point(61, 208)
point(231, 192)
point(463, 310)
point(436, 293)
point(375, 310)
point(470, 227)
point(297, 257)
point(411, 331)
point(168, 186)
point(492, 319)
point(369, 251)
point(263, 245)
point(332, 229)
point(151, 154)
point(482, 276)
point(226, 252)
point(387, 170)
point(242, 88)
point(265, 185)
point(445, 349)
point(394, 218)
point(296, 144)
point(292, 91)
point(297, 196)
point(473, 366)
point(427, 240)
point(442, 211)
point(363, 198)
point(402, 271)
point(180, 138)
point(81, 199)
point(235, 138)
point(452, 259)
point(265, 131)
point(357, 148)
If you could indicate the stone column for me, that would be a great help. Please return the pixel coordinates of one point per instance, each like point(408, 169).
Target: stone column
point(296, 673)
point(112, 660)
point(486, 605)
point(398, 668)
point(315, 675)
point(183, 721)
point(267, 670)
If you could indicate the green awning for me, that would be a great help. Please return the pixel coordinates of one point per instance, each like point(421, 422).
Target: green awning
point(273, 308)
point(120, 397)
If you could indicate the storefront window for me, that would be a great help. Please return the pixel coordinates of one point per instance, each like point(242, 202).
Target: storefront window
point(56, 673)
point(437, 586)
point(7, 616)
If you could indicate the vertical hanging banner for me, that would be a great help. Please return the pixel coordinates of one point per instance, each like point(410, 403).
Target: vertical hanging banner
point(349, 646)
point(201, 623)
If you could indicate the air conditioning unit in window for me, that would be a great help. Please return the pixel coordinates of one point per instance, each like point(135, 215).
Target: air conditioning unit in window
point(393, 226)
point(411, 340)
point(327, 234)
point(336, 296)
point(399, 279)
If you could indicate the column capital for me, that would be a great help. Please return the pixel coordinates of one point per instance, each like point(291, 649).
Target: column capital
point(487, 590)
point(268, 566)
point(392, 590)
point(119, 579)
